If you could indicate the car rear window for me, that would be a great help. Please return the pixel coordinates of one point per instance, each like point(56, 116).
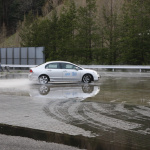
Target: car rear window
point(52, 66)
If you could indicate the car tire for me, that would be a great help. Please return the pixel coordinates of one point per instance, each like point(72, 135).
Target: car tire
point(87, 78)
point(43, 79)
point(87, 88)
point(44, 90)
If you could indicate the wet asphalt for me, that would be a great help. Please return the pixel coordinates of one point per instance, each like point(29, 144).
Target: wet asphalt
point(22, 143)
point(113, 114)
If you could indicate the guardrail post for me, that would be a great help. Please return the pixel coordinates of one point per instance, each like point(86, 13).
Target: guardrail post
point(113, 69)
point(140, 70)
point(1, 69)
point(7, 68)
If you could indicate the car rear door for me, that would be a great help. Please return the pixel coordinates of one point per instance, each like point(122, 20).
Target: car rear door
point(54, 71)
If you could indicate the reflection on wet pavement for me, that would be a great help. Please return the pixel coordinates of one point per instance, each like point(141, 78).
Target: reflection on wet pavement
point(114, 114)
point(64, 92)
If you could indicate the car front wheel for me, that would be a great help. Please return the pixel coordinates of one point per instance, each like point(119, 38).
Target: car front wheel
point(44, 90)
point(87, 78)
point(43, 79)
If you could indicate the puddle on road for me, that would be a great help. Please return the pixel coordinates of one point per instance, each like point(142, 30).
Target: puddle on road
point(116, 111)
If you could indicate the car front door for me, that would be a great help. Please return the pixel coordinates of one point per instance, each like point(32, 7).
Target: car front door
point(54, 71)
point(70, 72)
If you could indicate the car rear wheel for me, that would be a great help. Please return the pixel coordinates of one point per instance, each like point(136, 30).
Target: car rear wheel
point(43, 79)
point(87, 78)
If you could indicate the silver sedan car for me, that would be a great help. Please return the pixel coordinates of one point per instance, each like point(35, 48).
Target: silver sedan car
point(62, 71)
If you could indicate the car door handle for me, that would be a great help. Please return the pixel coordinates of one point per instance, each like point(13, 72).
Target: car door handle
point(65, 71)
point(49, 70)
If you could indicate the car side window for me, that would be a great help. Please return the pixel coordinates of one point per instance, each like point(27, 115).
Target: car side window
point(67, 66)
point(52, 66)
point(70, 66)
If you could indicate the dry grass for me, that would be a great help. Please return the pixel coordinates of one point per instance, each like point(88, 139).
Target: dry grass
point(12, 41)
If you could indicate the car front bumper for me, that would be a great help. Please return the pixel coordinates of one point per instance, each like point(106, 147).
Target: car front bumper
point(96, 78)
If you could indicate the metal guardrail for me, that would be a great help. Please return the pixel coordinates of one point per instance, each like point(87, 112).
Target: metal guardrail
point(7, 67)
point(18, 66)
point(113, 67)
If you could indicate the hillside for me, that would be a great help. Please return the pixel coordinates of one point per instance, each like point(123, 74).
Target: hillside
point(11, 39)
point(86, 31)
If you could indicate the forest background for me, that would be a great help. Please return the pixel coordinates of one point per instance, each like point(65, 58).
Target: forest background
point(81, 31)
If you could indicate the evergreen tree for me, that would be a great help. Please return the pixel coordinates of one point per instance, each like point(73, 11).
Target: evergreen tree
point(111, 33)
point(66, 28)
point(75, 36)
point(3, 34)
point(37, 34)
point(135, 33)
point(56, 35)
point(26, 30)
point(12, 11)
point(87, 31)
point(52, 35)
point(1, 14)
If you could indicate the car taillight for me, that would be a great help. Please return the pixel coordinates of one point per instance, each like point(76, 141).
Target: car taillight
point(31, 71)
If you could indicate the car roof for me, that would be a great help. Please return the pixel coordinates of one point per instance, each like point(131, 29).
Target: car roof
point(58, 61)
